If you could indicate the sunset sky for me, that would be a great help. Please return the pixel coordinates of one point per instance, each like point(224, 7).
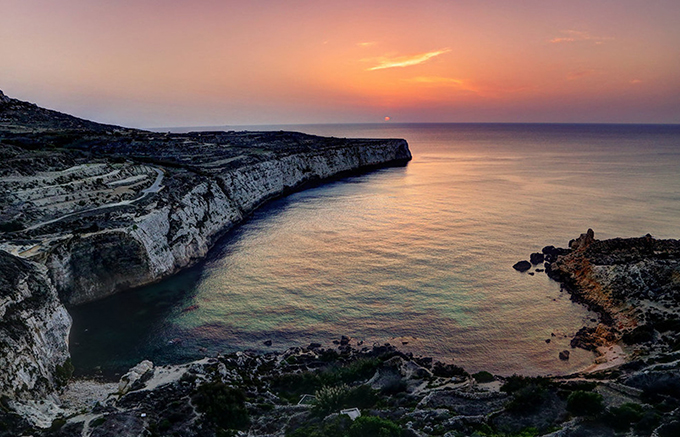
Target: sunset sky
point(161, 63)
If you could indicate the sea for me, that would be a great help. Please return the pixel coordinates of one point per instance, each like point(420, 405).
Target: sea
point(418, 256)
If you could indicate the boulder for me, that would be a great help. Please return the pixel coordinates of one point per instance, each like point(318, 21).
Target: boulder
point(522, 266)
point(564, 355)
point(135, 374)
point(537, 258)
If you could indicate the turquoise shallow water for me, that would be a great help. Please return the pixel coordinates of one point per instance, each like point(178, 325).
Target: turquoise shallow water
point(418, 256)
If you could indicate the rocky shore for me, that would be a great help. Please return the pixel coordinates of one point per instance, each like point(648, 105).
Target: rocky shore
point(632, 283)
point(356, 391)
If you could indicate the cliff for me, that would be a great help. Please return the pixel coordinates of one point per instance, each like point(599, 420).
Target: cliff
point(107, 209)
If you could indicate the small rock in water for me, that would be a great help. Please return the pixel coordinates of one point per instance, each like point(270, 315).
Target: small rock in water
point(267, 342)
point(344, 340)
point(540, 270)
point(404, 342)
point(564, 355)
point(531, 273)
point(536, 258)
point(522, 266)
point(547, 340)
point(314, 345)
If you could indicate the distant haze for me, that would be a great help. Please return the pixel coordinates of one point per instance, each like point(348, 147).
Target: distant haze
point(156, 63)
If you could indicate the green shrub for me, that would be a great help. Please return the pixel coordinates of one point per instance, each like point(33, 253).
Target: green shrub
point(483, 377)
point(296, 384)
point(649, 421)
point(57, 424)
point(584, 403)
point(12, 226)
point(371, 426)
point(362, 396)
point(448, 370)
point(330, 398)
point(334, 398)
point(517, 382)
point(97, 422)
point(641, 334)
point(527, 399)
point(222, 405)
point(621, 418)
point(63, 372)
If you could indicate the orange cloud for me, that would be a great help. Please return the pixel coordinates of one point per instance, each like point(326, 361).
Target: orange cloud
point(406, 61)
point(577, 35)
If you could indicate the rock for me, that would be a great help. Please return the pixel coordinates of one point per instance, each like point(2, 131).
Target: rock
point(135, 374)
point(592, 338)
point(547, 340)
point(344, 340)
point(34, 329)
point(551, 253)
point(314, 345)
point(583, 241)
point(564, 355)
point(536, 258)
point(267, 342)
point(4, 98)
point(522, 266)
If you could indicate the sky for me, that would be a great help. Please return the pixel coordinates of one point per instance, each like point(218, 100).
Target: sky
point(163, 63)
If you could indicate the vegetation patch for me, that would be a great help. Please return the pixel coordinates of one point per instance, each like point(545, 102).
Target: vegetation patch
point(584, 403)
point(222, 405)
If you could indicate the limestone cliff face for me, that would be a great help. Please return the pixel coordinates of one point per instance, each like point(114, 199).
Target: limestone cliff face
point(34, 328)
point(175, 233)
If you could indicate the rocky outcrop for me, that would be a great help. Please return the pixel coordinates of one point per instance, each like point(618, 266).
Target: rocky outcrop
point(34, 329)
point(633, 283)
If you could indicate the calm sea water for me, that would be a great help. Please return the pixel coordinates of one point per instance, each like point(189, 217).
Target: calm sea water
point(418, 256)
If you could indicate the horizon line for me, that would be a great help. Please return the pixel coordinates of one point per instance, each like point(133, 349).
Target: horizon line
point(377, 123)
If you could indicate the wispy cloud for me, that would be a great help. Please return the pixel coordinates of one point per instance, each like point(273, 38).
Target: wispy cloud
point(435, 80)
point(569, 36)
point(580, 74)
point(635, 82)
point(367, 43)
point(406, 61)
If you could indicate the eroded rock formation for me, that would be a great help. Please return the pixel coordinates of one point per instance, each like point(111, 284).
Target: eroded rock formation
point(34, 328)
